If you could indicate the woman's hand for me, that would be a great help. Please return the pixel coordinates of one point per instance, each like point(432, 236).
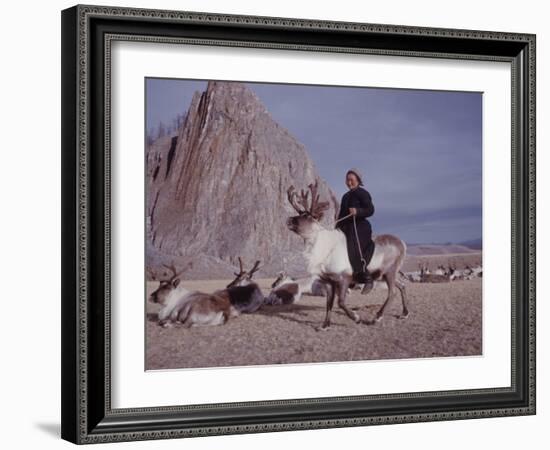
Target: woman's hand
point(353, 211)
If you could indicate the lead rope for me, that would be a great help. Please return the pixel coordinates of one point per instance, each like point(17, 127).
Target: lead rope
point(359, 245)
point(356, 238)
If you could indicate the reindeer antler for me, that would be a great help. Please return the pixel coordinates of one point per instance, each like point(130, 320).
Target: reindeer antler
point(241, 270)
point(254, 269)
point(304, 200)
point(317, 208)
point(301, 205)
point(175, 273)
point(291, 194)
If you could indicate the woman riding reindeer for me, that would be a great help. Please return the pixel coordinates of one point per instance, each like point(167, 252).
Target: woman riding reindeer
point(355, 207)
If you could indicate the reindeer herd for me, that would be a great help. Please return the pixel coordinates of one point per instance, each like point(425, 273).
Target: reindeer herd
point(328, 266)
point(191, 308)
point(443, 274)
point(182, 306)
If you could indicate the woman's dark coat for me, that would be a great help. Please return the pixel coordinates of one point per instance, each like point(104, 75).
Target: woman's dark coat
point(360, 199)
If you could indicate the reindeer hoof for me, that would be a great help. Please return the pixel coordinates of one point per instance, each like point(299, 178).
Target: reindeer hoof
point(367, 288)
point(373, 321)
point(323, 327)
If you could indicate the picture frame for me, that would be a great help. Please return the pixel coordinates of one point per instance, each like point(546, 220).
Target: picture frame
point(87, 413)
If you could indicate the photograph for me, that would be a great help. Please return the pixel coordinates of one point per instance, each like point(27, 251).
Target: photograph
point(278, 222)
point(301, 224)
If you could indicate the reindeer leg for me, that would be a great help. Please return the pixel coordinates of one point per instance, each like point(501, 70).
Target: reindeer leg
point(342, 291)
point(330, 302)
point(188, 323)
point(403, 293)
point(165, 323)
point(185, 316)
point(390, 280)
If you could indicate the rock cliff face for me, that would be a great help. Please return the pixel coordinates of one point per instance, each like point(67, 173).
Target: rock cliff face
point(217, 190)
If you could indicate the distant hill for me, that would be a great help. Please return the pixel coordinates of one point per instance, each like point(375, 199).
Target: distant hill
point(439, 249)
point(475, 244)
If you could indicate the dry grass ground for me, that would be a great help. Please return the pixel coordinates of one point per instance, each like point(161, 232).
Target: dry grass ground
point(445, 320)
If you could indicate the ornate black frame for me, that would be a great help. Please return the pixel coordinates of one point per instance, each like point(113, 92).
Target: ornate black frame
point(87, 31)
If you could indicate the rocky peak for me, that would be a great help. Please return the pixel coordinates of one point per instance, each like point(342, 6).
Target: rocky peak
point(220, 188)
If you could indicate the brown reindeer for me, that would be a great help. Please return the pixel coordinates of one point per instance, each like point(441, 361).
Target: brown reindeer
point(189, 308)
point(245, 295)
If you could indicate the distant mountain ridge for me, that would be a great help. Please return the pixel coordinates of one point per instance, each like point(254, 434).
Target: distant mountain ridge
point(476, 244)
point(471, 246)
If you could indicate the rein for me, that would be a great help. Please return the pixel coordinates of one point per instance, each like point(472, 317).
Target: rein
point(344, 218)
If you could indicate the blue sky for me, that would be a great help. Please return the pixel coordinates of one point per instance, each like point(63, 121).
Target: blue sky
point(420, 151)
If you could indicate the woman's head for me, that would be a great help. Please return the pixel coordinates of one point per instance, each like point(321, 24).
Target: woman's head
point(353, 179)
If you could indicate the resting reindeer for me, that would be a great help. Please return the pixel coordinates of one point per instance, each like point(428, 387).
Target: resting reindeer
point(287, 290)
point(314, 287)
point(437, 277)
point(245, 295)
point(190, 308)
point(284, 291)
point(327, 254)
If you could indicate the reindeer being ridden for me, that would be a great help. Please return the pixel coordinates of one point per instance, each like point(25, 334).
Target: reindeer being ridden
point(327, 255)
